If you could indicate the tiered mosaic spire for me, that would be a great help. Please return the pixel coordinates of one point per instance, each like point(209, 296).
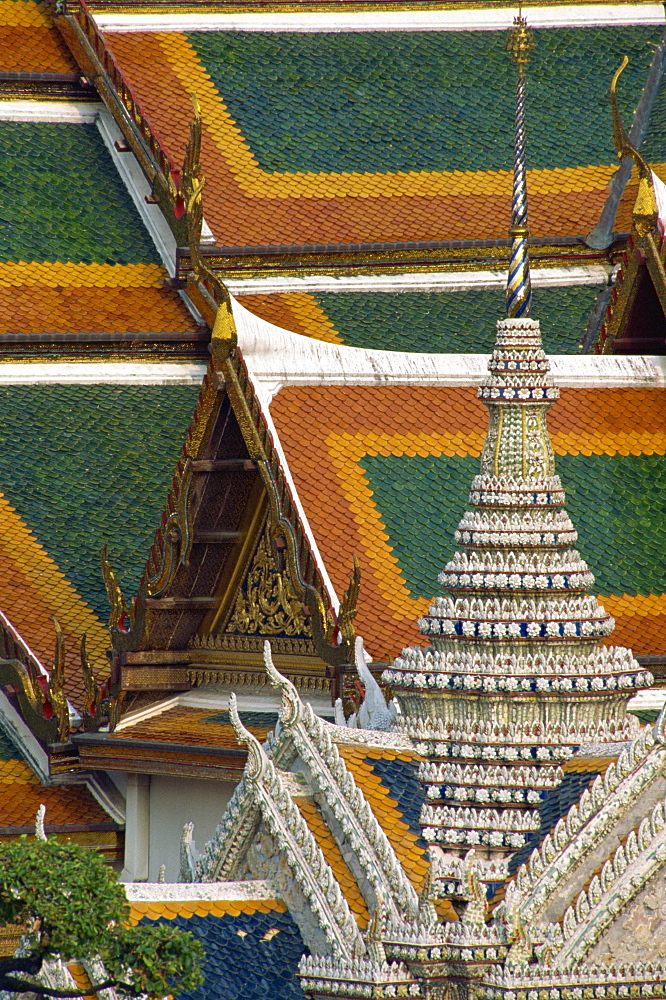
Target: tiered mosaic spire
point(516, 678)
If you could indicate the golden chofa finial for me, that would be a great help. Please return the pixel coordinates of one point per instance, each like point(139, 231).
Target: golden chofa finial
point(622, 144)
point(644, 214)
point(520, 43)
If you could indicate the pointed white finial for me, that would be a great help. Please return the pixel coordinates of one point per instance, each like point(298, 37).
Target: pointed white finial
point(39, 823)
point(374, 713)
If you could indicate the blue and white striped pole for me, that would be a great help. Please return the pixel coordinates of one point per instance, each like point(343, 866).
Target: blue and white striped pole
point(519, 285)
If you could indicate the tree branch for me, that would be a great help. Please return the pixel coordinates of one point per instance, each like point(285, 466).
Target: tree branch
point(30, 964)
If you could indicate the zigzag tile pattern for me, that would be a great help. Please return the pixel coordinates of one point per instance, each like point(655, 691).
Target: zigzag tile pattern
point(386, 475)
point(424, 322)
point(80, 465)
point(383, 144)
point(401, 780)
point(88, 268)
point(386, 778)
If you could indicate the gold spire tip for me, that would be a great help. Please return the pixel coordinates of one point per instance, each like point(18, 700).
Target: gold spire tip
point(520, 42)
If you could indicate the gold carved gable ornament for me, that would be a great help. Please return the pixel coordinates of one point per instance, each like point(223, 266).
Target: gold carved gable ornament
point(268, 603)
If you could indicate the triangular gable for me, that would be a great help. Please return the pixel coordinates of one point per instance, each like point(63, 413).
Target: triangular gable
point(232, 563)
point(635, 320)
point(308, 817)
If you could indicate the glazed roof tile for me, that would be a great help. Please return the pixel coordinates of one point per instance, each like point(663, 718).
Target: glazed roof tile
point(88, 268)
point(329, 848)
point(387, 471)
point(21, 794)
point(553, 806)
point(427, 322)
point(89, 299)
point(195, 727)
point(169, 909)
point(348, 138)
point(387, 779)
point(80, 465)
point(29, 43)
point(252, 950)
point(43, 164)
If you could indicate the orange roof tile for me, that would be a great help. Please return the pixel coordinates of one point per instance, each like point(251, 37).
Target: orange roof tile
point(386, 809)
point(189, 727)
point(21, 795)
point(89, 298)
point(333, 855)
point(169, 909)
point(29, 42)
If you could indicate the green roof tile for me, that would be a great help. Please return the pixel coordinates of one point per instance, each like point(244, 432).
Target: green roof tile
point(460, 322)
point(617, 503)
point(8, 751)
point(89, 464)
point(61, 199)
point(388, 101)
point(653, 148)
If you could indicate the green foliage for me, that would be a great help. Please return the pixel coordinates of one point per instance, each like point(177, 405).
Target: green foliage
point(67, 895)
point(164, 958)
point(73, 907)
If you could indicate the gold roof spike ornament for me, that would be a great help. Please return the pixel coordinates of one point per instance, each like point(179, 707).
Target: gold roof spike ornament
point(193, 182)
point(645, 207)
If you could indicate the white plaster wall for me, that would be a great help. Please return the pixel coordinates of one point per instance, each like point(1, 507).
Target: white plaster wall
point(119, 778)
point(174, 802)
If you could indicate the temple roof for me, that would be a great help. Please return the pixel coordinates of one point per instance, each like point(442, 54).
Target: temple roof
point(359, 437)
point(290, 822)
point(329, 138)
point(91, 268)
point(66, 447)
point(251, 947)
point(29, 43)
point(72, 812)
point(199, 742)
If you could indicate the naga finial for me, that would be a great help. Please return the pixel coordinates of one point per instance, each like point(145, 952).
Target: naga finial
point(256, 758)
point(291, 707)
point(623, 145)
point(645, 208)
point(519, 286)
point(193, 181)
